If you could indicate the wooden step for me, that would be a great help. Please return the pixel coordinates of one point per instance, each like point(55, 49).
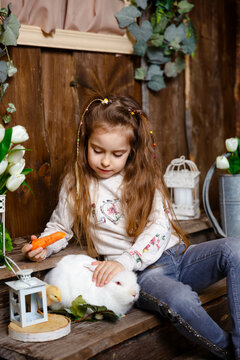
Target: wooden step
point(139, 333)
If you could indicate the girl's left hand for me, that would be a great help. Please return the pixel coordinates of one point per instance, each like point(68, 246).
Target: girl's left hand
point(105, 271)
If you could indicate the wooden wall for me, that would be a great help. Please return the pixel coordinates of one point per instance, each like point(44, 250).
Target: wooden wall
point(191, 117)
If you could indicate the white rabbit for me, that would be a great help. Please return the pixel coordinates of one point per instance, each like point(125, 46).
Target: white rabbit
point(73, 276)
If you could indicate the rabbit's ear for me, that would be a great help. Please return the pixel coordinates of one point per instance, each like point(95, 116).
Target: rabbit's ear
point(90, 267)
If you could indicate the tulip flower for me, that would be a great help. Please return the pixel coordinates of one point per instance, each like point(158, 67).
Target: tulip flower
point(19, 134)
point(222, 162)
point(16, 154)
point(231, 144)
point(3, 166)
point(2, 132)
point(14, 181)
point(17, 168)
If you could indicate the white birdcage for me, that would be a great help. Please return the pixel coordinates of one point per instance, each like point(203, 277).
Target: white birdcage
point(182, 179)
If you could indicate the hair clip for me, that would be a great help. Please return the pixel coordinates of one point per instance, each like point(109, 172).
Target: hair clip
point(105, 101)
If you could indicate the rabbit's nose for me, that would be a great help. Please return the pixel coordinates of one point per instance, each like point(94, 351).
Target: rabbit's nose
point(134, 294)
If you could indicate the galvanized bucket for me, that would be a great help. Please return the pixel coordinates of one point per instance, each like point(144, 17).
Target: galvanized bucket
point(229, 196)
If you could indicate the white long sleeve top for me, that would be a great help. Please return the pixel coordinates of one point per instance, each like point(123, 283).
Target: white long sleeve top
point(108, 227)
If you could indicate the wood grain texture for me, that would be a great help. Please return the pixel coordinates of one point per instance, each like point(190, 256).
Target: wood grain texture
point(57, 72)
point(212, 71)
point(26, 212)
point(167, 115)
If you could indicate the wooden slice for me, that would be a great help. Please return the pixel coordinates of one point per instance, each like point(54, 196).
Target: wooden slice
point(56, 327)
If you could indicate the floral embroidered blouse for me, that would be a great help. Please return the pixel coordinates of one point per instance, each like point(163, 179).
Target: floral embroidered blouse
point(108, 227)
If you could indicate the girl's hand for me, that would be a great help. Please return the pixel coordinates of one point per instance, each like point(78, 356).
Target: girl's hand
point(34, 255)
point(105, 271)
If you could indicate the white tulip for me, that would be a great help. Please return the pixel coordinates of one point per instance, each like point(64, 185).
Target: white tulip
point(3, 166)
point(17, 168)
point(222, 162)
point(2, 132)
point(15, 156)
point(231, 144)
point(14, 181)
point(19, 134)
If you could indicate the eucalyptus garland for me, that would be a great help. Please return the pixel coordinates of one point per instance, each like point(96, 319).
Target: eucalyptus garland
point(163, 40)
point(9, 32)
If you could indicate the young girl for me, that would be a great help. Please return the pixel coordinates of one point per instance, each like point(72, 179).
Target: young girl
point(114, 197)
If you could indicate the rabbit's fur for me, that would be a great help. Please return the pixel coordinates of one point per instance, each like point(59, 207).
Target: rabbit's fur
point(73, 276)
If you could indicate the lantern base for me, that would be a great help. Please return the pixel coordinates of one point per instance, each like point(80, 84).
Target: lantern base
point(56, 327)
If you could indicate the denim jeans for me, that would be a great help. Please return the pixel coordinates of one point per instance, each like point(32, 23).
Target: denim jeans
point(170, 286)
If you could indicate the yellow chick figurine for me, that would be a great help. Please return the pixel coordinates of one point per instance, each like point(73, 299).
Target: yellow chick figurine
point(53, 294)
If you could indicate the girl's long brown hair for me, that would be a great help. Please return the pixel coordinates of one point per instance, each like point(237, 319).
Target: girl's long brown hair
point(142, 172)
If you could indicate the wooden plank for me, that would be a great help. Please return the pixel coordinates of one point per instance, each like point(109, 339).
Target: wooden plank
point(212, 71)
point(104, 74)
point(167, 115)
point(237, 71)
point(26, 213)
point(48, 263)
point(57, 72)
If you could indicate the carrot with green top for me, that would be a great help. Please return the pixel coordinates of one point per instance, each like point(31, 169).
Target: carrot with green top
point(47, 240)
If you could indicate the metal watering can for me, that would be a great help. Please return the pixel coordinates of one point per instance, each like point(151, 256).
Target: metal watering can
point(229, 196)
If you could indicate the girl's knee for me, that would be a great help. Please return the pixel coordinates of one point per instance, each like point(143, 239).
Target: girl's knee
point(232, 248)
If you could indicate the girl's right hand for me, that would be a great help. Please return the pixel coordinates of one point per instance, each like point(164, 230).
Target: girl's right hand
point(34, 255)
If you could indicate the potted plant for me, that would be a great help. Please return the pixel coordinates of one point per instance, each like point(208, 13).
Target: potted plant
point(229, 190)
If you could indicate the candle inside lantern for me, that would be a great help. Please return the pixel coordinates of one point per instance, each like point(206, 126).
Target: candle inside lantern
point(183, 196)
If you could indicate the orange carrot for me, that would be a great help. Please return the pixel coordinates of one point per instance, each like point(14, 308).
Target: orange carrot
point(47, 240)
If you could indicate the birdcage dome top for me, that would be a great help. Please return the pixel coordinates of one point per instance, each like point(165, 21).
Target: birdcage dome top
point(181, 173)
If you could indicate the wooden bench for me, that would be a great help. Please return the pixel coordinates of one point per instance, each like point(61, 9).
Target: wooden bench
point(139, 333)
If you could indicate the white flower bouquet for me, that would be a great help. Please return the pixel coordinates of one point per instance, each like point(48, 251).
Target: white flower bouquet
point(232, 161)
point(12, 170)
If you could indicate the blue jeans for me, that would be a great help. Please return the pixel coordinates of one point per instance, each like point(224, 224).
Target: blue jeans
point(170, 286)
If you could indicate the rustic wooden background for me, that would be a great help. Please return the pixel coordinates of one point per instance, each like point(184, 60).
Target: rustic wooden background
point(191, 117)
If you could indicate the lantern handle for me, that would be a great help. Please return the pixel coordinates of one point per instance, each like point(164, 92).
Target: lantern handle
point(8, 259)
point(206, 204)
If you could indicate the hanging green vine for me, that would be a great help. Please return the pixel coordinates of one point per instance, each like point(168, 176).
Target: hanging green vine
point(162, 41)
point(9, 31)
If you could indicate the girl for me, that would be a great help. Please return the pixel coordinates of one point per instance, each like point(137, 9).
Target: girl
point(114, 197)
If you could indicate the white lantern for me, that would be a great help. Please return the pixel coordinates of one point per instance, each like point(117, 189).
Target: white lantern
point(182, 179)
point(26, 296)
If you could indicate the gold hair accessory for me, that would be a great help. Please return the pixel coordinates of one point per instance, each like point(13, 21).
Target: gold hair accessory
point(105, 101)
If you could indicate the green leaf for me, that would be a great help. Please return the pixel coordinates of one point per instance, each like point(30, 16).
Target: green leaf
point(3, 71)
point(161, 26)
point(79, 307)
point(11, 108)
point(11, 33)
point(26, 171)
point(177, 33)
point(7, 118)
point(188, 45)
point(142, 32)
point(156, 83)
point(157, 40)
point(127, 16)
point(3, 88)
point(140, 73)
point(141, 3)
point(153, 70)
point(5, 143)
point(140, 47)
point(234, 164)
point(156, 56)
point(8, 241)
point(26, 184)
point(171, 69)
point(168, 4)
point(184, 7)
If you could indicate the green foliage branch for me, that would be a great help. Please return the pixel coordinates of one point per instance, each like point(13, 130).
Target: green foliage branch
point(9, 32)
point(81, 311)
point(163, 40)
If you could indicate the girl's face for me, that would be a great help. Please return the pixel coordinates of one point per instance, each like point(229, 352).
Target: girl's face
point(108, 151)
